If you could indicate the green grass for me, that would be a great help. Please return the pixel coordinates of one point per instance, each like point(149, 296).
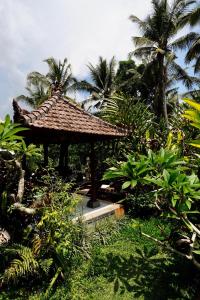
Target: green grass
point(129, 266)
point(126, 266)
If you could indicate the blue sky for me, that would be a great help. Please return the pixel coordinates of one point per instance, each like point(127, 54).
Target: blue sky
point(80, 30)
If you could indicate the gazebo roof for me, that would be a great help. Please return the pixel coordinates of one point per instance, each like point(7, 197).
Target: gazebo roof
point(58, 117)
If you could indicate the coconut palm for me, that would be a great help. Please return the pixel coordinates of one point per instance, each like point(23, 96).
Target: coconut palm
point(37, 94)
point(58, 76)
point(141, 81)
point(157, 42)
point(194, 51)
point(102, 84)
point(191, 40)
point(40, 86)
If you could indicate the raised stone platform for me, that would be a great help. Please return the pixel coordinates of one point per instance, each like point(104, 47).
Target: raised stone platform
point(105, 209)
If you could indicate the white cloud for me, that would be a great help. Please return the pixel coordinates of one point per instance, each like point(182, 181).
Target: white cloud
point(80, 30)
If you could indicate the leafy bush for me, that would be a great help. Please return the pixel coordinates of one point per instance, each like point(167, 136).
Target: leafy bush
point(142, 205)
point(134, 170)
point(175, 192)
point(49, 243)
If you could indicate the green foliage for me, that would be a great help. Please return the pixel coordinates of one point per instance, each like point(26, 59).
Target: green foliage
point(140, 204)
point(21, 266)
point(157, 43)
point(128, 112)
point(102, 86)
point(179, 188)
point(193, 115)
point(134, 170)
point(48, 240)
point(40, 87)
point(8, 133)
point(10, 140)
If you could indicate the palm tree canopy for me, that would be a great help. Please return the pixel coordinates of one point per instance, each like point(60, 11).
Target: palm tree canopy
point(37, 94)
point(161, 27)
point(194, 48)
point(40, 86)
point(157, 42)
point(102, 84)
point(59, 75)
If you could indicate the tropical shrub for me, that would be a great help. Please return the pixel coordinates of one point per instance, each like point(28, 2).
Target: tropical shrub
point(193, 115)
point(12, 173)
point(135, 169)
point(176, 191)
point(49, 241)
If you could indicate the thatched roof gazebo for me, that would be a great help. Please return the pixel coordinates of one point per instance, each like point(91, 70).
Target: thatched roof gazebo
point(59, 121)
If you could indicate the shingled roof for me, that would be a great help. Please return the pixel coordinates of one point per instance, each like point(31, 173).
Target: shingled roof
point(60, 115)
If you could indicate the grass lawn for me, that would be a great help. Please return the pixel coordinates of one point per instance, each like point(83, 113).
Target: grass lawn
point(125, 265)
point(129, 266)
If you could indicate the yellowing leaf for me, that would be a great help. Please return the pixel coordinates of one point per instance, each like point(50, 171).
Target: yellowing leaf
point(192, 103)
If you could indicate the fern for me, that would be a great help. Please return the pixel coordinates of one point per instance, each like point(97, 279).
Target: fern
point(37, 245)
point(45, 265)
point(24, 265)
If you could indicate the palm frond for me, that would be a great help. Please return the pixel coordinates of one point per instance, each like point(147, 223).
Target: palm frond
point(127, 112)
point(140, 41)
point(194, 51)
point(197, 65)
point(185, 41)
point(36, 78)
point(182, 75)
point(143, 52)
point(142, 24)
point(86, 86)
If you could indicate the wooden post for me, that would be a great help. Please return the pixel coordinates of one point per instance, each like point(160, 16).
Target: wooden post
point(66, 157)
point(46, 155)
point(93, 202)
point(62, 157)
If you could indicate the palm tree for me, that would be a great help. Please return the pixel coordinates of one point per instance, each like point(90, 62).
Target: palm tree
point(58, 76)
point(194, 51)
point(37, 94)
point(140, 81)
point(102, 84)
point(191, 40)
point(129, 112)
point(40, 86)
point(157, 43)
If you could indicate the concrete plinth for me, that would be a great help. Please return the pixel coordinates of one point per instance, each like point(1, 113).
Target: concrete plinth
point(93, 214)
point(93, 204)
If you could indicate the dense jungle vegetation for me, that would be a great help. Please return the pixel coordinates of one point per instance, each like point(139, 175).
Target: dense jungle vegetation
point(153, 252)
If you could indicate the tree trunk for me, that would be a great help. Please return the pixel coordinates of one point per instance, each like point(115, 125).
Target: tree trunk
point(161, 104)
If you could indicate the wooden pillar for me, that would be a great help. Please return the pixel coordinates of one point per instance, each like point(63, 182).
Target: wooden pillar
point(46, 155)
point(66, 158)
point(62, 157)
point(93, 202)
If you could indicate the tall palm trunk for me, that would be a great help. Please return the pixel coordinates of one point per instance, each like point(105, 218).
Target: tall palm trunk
point(161, 104)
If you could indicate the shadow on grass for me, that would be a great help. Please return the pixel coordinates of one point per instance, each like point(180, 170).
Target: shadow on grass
point(149, 276)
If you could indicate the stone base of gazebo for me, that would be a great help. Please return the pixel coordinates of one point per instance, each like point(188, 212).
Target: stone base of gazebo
point(106, 208)
point(93, 204)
